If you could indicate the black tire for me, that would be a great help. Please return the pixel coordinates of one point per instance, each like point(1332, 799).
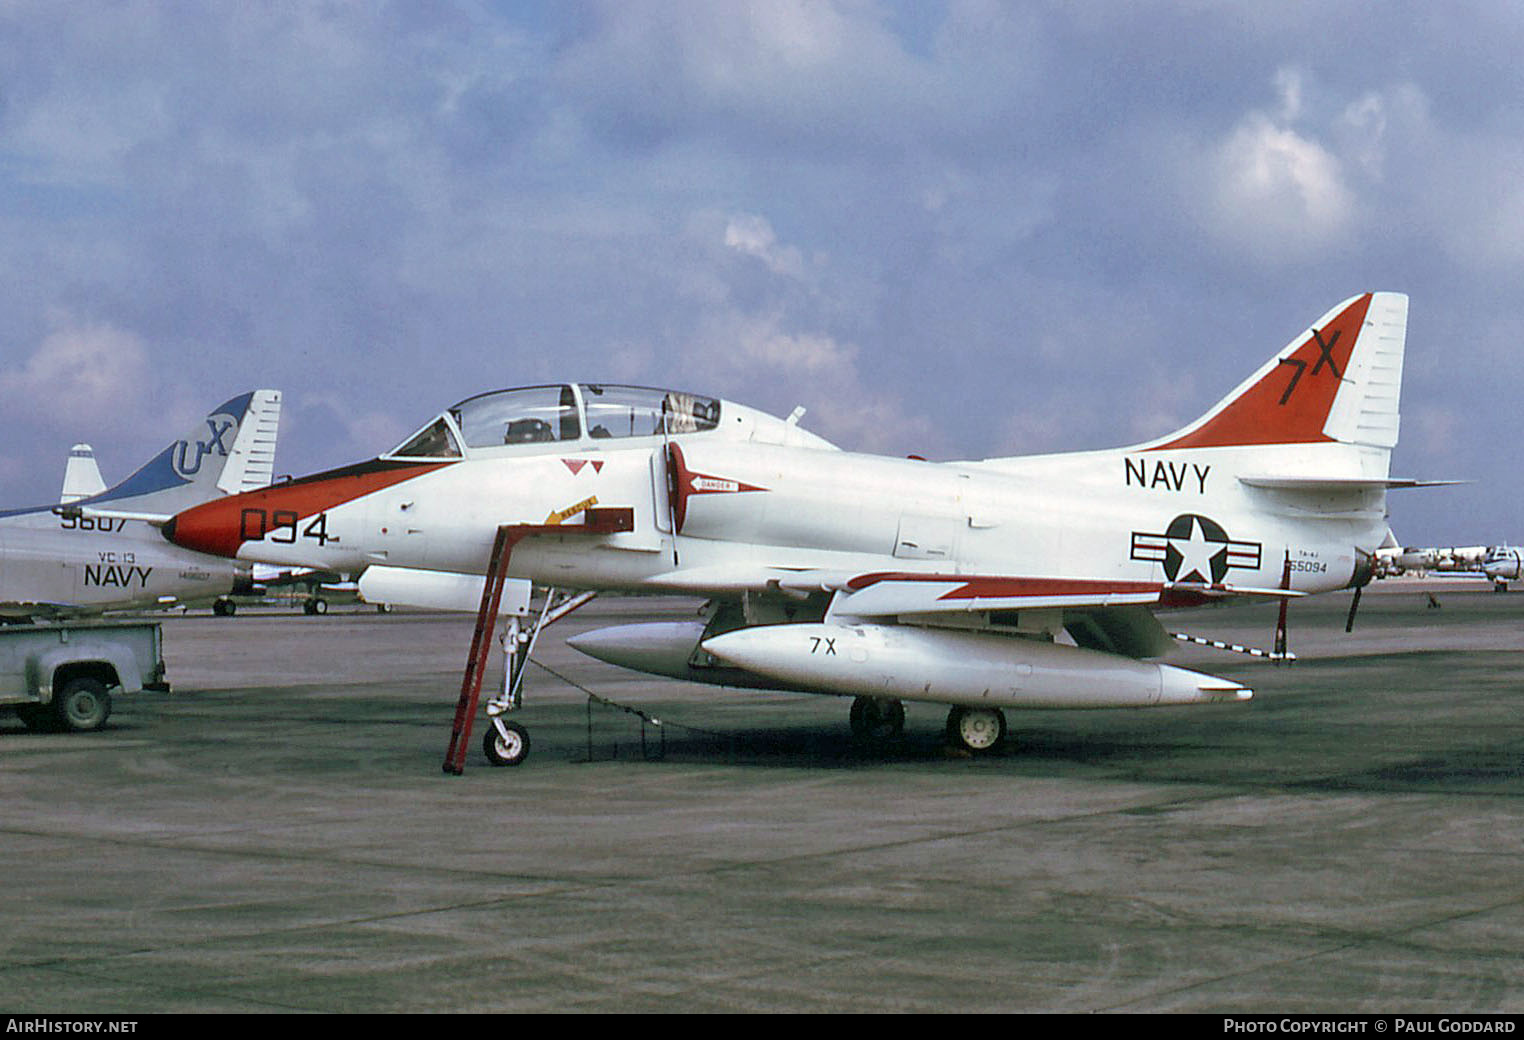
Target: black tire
point(82, 705)
point(224, 608)
point(976, 730)
point(510, 752)
point(877, 720)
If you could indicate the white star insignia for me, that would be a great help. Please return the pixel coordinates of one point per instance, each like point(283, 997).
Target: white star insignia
point(1196, 554)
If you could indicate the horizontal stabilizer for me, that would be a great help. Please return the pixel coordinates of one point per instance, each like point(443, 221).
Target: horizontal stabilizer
point(156, 519)
point(1336, 484)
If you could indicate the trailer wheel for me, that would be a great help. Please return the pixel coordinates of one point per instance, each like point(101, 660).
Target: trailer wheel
point(82, 705)
point(506, 752)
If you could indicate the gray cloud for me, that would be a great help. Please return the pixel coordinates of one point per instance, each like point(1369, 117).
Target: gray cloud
point(965, 228)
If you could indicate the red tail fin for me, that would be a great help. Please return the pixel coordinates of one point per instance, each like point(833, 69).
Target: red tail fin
point(1289, 399)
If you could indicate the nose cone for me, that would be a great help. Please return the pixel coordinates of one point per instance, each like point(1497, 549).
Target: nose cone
point(658, 647)
point(751, 648)
point(272, 514)
point(214, 528)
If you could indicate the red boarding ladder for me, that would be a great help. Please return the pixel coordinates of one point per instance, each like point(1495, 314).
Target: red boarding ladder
point(596, 521)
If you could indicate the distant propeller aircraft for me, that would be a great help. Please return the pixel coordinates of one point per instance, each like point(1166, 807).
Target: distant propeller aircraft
point(987, 585)
point(1500, 564)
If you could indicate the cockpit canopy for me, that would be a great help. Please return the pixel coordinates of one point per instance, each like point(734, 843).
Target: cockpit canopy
point(559, 414)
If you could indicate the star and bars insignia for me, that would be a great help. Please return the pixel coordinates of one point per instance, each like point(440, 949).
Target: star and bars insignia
point(1195, 548)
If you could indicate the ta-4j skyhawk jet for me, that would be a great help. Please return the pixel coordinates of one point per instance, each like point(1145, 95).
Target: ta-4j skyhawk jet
point(1004, 583)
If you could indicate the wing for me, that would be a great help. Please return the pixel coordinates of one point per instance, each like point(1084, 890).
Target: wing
point(1099, 614)
point(888, 594)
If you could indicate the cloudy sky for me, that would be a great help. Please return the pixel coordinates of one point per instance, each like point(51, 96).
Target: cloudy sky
point(958, 229)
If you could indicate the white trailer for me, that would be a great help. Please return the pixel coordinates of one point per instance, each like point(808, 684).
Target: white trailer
point(62, 675)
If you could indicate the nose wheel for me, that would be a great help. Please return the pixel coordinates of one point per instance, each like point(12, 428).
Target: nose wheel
point(506, 743)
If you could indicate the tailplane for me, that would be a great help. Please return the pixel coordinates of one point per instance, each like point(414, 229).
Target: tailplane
point(231, 450)
point(1337, 382)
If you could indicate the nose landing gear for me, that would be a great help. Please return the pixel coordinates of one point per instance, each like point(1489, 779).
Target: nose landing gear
point(517, 644)
point(505, 743)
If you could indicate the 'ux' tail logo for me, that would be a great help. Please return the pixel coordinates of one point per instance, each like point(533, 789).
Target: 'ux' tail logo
point(218, 426)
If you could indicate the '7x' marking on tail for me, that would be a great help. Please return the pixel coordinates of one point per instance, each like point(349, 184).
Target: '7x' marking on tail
point(1324, 358)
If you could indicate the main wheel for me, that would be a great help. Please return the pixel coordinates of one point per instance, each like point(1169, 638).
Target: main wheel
point(976, 729)
point(82, 705)
point(509, 751)
point(224, 608)
point(317, 605)
point(877, 719)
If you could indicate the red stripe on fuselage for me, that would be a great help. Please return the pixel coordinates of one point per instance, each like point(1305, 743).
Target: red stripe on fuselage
point(1002, 587)
point(218, 527)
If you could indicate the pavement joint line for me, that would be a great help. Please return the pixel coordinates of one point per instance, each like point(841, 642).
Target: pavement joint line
point(558, 886)
point(72, 970)
point(1356, 940)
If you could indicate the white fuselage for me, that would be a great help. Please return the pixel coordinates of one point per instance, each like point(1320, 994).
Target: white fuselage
point(51, 564)
point(748, 508)
point(1504, 563)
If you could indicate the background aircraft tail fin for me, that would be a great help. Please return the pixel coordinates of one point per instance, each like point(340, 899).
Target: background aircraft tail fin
point(82, 475)
point(1337, 382)
point(231, 450)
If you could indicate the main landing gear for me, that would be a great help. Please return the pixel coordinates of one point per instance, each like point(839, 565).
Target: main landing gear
point(880, 720)
point(976, 730)
point(877, 720)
